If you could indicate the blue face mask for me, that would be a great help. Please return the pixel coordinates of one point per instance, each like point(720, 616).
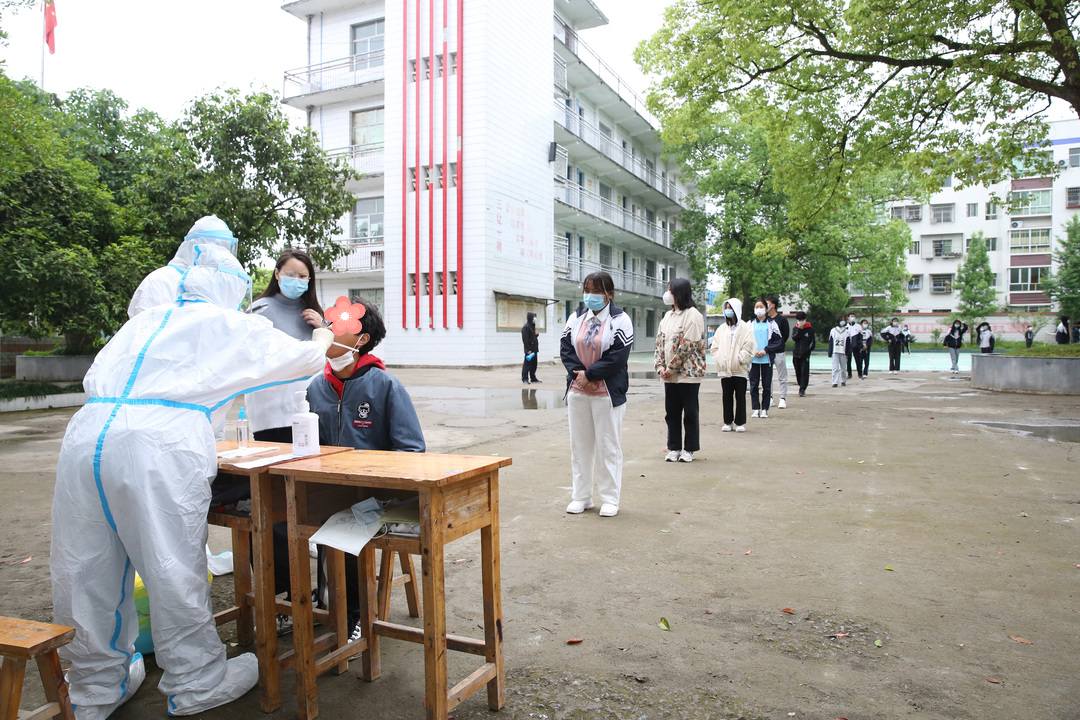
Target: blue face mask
point(728, 312)
point(292, 288)
point(594, 302)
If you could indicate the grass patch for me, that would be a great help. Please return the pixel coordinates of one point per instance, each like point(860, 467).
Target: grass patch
point(14, 389)
point(1051, 351)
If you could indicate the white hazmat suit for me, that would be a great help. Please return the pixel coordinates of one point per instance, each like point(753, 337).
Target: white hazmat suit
point(161, 286)
point(133, 489)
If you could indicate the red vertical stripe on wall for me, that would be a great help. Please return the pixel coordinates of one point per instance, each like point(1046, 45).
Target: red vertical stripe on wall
point(460, 187)
point(446, 168)
point(431, 163)
point(404, 157)
point(419, 110)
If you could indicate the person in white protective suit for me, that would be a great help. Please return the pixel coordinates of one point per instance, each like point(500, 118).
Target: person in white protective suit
point(160, 286)
point(133, 489)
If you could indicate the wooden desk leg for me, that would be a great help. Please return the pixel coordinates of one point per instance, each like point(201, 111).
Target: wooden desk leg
point(245, 624)
point(493, 628)
point(386, 583)
point(339, 612)
point(11, 682)
point(371, 666)
point(307, 692)
point(431, 557)
point(411, 594)
point(266, 640)
point(56, 689)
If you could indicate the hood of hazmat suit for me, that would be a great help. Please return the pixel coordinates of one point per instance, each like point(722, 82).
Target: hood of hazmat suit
point(133, 488)
point(160, 286)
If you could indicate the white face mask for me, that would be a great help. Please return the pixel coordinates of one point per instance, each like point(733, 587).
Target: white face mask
point(339, 363)
point(760, 312)
point(669, 299)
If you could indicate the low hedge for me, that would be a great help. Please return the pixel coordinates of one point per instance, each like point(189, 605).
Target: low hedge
point(13, 389)
point(1051, 351)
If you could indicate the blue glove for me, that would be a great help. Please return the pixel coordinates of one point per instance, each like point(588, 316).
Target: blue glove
point(530, 356)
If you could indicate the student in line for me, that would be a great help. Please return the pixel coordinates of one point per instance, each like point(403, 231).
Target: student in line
point(866, 339)
point(780, 357)
point(803, 341)
point(679, 359)
point(838, 343)
point(767, 341)
point(894, 340)
point(733, 348)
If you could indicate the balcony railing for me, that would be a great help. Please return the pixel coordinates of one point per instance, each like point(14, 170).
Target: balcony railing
point(366, 159)
point(560, 74)
point(588, 56)
point(591, 134)
point(562, 254)
point(625, 281)
point(365, 255)
point(576, 196)
point(334, 75)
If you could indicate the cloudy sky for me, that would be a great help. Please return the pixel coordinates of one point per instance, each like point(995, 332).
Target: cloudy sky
point(156, 56)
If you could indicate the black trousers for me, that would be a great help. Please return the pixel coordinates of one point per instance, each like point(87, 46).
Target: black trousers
point(802, 371)
point(863, 362)
point(760, 373)
point(894, 355)
point(734, 392)
point(528, 369)
point(681, 412)
point(848, 353)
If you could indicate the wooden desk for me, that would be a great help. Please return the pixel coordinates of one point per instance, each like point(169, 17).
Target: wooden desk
point(255, 601)
point(459, 494)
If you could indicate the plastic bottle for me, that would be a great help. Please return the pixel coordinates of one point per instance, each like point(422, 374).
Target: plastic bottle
point(305, 429)
point(242, 430)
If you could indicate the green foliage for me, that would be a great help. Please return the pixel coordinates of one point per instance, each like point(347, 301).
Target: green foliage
point(1049, 350)
point(1036, 320)
point(974, 284)
point(951, 88)
point(1063, 287)
point(15, 389)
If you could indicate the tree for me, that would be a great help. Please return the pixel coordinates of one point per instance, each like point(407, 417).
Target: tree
point(1063, 286)
point(949, 89)
point(974, 284)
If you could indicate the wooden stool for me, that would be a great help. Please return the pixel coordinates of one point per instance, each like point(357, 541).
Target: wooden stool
point(387, 581)
point(22, 640)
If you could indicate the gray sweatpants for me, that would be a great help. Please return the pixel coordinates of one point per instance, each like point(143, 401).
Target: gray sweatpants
point(780, 371)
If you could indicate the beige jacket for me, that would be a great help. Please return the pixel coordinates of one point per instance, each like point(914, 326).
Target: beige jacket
point(733, 356)
point(680, 346)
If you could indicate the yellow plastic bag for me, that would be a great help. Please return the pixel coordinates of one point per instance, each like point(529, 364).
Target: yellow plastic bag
point(145, 642)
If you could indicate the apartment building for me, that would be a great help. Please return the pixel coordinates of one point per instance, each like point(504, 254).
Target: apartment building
point(1021, 237)
point(502, 162)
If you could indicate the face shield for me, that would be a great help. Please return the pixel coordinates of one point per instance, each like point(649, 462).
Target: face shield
point(211, 230)
point(215, 277)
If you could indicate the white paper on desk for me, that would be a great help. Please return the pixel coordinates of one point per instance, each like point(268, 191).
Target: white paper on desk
point(342, 531)
point(243, 452)
point(266, 461)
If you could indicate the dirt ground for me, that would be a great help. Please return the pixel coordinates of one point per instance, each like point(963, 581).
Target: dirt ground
point(867, 552)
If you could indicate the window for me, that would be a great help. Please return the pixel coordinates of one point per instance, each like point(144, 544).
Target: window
point(914, 283)
point(605, 130)
point(605, 255)
point(368, 221)
point(941, 284)
point(973, 209)
point(1027, 279)
point(944, 248)
point(942, 213)
point(1033, 240)
point(1074, 157)
point(947, 182)
point(897, 213)
point(1072, 197)
point(913, 249)
point(378, 260)
point(367, 127)
point(991, 244)
point(991, 211)
point(367, 44)
point(1030, 165)
point(914, 213)
point(1031, 202)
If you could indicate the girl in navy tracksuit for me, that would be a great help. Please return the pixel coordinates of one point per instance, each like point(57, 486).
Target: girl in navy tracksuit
point(768, 340)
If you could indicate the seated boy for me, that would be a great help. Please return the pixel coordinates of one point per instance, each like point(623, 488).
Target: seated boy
point(362, 406)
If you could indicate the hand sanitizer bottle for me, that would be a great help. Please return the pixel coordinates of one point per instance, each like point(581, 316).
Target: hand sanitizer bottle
point(242, 430)
point(305, 429)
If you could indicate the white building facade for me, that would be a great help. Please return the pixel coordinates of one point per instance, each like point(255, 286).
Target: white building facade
point(502, 163)
point(1021, 238)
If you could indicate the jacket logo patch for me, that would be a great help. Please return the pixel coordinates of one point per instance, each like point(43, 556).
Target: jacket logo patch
point(363, 410)
point(361, 423)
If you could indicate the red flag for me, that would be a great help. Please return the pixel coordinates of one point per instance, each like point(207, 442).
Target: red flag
point(50, 26)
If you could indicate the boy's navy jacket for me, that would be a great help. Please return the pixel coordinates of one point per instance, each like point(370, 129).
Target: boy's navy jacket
point(371, 410)
point(614, 353)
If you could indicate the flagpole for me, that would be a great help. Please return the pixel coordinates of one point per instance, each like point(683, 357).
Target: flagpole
point(44, 4)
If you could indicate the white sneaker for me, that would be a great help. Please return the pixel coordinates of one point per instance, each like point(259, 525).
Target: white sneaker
point(686, 456)
point(136, 675)
point(764, 413)
point(579, 506)
point(672, 456)
point(609, 510)
point(241, 674)
point(783, 404)
point(756, 413)
point(725, 428)
point(740, 428)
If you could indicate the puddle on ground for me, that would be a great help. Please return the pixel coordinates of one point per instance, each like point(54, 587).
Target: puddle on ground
point(543, 693)
point(811, 635)
point(482, 402)
point(1053, 433)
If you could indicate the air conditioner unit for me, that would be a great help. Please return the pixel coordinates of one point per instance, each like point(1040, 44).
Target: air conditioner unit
point(1016, 223)
point(1061, 163)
